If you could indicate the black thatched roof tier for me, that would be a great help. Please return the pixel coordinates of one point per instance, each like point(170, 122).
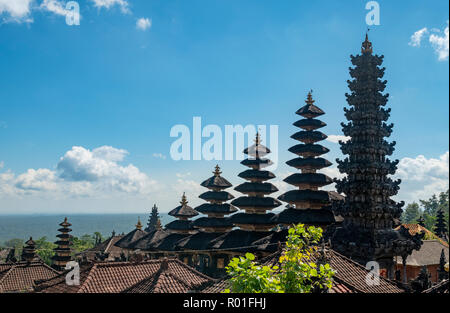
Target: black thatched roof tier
point(64, 230)
point(216, 195)
point(309, 136)
point(216, 182)
point(257, 150)
point(132, 236)
point(65, 223)
point(257, 163)
point(309, 216)
point(64, 236)
point(313, 196)
point(149, 241)
point(270, 242)
point(253, 219)
point(180, 225)
point(308, 149)
point(224, 208)
point(169, 242)
point(199, 241)
point(309, 163)
point(62, 243)
point(212, 222)
point(309, 110)
point(258, 202)
point(312, 179)
point(61, 258)
point(257, 175)
point(264, 188)
point(238, 239)
point(310, 124)
point(183, 210)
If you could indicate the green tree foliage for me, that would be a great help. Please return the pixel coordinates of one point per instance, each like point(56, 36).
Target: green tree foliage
point(296, 272)
point(44, 249)
point(411, 213)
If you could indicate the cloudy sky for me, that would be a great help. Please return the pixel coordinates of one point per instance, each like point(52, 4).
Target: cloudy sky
point(86, 110)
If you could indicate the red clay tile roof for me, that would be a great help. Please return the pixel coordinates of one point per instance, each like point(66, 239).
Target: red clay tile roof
point(416, 228)
point(115, 277)
point(19, 277)
point(350, 277)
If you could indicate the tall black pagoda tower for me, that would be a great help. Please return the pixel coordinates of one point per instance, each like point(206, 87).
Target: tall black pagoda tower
point(440, 228)
point(369, 212)
point(308, 204)
point(62, 251)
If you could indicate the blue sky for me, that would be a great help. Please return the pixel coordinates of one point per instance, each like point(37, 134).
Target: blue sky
point(114, 91)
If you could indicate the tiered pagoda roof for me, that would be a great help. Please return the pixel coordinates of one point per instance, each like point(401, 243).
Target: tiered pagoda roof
point(29, 251)
point(255, 203)
point(183, 213)
point(216, 209)
point(369, 212)
point(309, 205)
point(62, 251)
point(131, 237)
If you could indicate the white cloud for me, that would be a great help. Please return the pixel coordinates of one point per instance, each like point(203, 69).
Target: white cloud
point(440, 44)
point(16, 10)
point(422, 177)
point(336, 138)
point(81, 172)
point(416, 38)
point(437, 38)
point(55, 6)
point(183, 175)
point(2, 164)
point(143, 24)
point(107, 4)
point(159, 156)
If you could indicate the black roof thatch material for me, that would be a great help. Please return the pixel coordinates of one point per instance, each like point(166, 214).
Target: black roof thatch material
point(183, 211)
point(132, 236)
point(270, 242)
point(313, 179)
point(238, 239)
point(316, 163)
point(261, 175)
point(263, 202)
point(317, 196)
point(169, 242)
point(149, 241)
point(266, 188)
point(225, 208)
point(309, 148)
point(212, 222)
point(257, 149)
point(199, 241)
point(310, 124)
point(309, 111)
point(216, 195)
point(310, 136)
point(291, 216)
point(216, 182)
point(254, 219)
point(260, 163)
point(180, 225)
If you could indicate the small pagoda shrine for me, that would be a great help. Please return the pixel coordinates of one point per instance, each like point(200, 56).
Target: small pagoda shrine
point(183, 213)
point(370, 214)
point(255, 203)
point(215, 208)
point(136, 234)
point(29, 251)
point(440, 228)
point(62, 251)
point(307, 204)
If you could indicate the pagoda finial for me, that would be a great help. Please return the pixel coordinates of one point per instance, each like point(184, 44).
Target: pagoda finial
point(139, 224)
point(309, 99)
point(158, 224)
point(258, 138)
point(183, 199)
point(367, 45)
point(217, 171)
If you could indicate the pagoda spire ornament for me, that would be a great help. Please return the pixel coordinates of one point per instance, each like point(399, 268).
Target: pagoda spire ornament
point(29, 251)
point(369, 213)
point(183, 213)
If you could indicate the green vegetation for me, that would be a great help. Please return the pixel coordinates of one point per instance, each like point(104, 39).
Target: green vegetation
point(296, 272)
point(428, 209)
point(44, 248)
